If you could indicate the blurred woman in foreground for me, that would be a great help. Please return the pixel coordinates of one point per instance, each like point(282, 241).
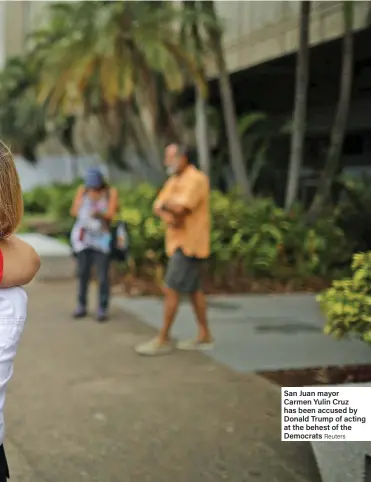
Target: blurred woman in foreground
point(18, 265)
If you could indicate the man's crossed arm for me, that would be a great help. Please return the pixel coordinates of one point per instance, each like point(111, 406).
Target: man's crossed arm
point(173, 209)
point(171, 213)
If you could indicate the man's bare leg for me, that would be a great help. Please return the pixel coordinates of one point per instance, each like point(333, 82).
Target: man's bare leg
point(170, 309)
point(198, 300)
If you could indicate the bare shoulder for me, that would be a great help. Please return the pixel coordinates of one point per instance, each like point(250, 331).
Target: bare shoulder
point(21, 262)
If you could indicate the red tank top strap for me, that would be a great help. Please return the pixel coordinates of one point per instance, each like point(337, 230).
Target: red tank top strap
point(1, 264)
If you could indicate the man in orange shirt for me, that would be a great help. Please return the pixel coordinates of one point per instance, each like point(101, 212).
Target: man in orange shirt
point(183, 204)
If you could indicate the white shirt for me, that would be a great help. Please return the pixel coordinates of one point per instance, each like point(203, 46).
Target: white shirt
point(13, 314)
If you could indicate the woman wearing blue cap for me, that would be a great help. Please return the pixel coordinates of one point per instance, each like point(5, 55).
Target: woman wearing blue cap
point(94, 207)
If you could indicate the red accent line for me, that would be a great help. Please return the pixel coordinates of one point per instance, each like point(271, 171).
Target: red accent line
point(1, 265)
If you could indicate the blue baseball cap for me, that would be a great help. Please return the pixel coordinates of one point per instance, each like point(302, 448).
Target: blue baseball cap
point(93, 178)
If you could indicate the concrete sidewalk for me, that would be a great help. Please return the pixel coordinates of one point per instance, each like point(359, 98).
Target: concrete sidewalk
point(83, 407)
point(256, 333)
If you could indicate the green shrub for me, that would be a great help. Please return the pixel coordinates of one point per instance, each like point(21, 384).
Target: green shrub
point(61, 198)
point(353, 212)
point(347, 303)
point(257, 239)
point(55, 200)
point(38, 200)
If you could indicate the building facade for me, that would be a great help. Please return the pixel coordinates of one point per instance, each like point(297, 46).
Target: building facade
point(258, 31)
point(254, 31)
point(17, 20)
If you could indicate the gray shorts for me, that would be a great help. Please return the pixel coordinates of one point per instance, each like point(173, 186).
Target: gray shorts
point(183, 273)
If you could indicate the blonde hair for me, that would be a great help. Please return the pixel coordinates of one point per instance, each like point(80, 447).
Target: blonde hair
point(11, 200)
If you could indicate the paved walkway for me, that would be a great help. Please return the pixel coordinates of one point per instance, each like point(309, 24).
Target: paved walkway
point(83, 407)
point(261, 332)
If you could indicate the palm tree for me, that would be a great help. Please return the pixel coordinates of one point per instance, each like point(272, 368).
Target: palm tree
point(191, 33)
point(341, 116)
point(300, 109)
point(22, 119)
point(24, 123)
point(109, 58)
point(234, 142)
point(258, 131)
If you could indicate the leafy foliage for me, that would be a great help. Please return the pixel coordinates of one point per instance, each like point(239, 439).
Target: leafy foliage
point(258, 131)
point(347, 303)
point(120, 62)
point(353, 213)
point(22, 118)
point(103, 52)
point(259, 238)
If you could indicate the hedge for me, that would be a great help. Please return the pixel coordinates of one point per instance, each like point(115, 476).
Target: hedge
point(255, 239)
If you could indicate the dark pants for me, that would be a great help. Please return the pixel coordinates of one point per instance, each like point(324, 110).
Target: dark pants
point(4, 470)
point(86, 260)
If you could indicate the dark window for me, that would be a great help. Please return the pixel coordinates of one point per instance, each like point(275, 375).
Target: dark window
point(353, 145)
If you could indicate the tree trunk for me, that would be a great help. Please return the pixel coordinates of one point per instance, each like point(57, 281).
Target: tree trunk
point(73, 166)
point(201, 125)
point(230, 117)
point(234, 142)
point(143, 145)
point(202, 133)
point(300, 109)
point(148, 124)
point(340, 122)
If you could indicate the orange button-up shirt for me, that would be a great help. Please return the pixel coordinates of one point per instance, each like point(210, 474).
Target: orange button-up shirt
point(191, 190)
